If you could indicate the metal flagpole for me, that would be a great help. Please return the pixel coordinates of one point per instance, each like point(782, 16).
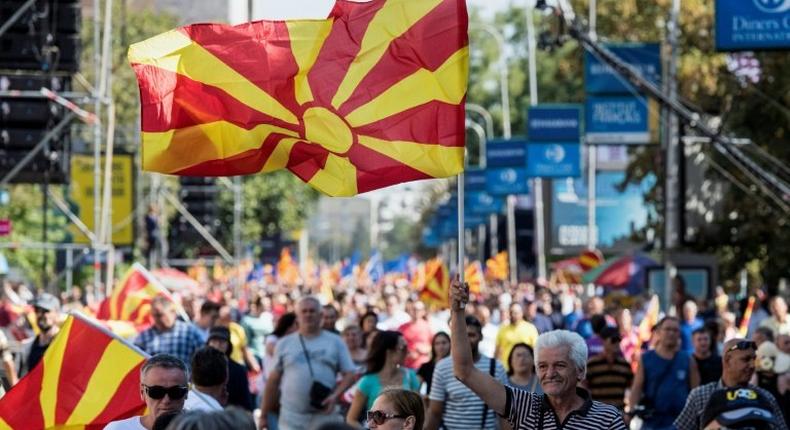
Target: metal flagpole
point(461, 250)
point(592, 160)
point(538, 182)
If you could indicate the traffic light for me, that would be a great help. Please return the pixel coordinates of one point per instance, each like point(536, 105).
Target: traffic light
point(40, 49)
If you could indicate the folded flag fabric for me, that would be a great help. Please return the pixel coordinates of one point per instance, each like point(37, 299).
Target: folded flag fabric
point(370, 97)
point(86, 379)
point(131, 298)
point(497, 267)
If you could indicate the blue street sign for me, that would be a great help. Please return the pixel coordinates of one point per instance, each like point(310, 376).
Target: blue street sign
point(599, 78)
point(745, 25)
point(620, 120)
point(554, 160)
point(482, 203)
point(475, 179)
point(506, 153)
point(554, 123)
point(507, 181)
point(472, 221)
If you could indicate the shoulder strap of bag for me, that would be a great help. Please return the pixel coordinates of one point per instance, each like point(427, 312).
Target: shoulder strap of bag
point(307, 356)
point(491, 368)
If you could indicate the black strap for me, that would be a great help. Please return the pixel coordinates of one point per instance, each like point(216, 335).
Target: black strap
point(491, 366)
point(307, 356)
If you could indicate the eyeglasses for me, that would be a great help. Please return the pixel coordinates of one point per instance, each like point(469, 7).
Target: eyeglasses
point(743, 345)
point(157, 392)
point(379, 417)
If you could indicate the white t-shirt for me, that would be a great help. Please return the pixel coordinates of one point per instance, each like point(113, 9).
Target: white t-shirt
point(197, 401)
point(132, 423)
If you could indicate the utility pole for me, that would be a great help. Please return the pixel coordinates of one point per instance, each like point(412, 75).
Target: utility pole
point(592, 159)
point(673, 205)
point(537, 184)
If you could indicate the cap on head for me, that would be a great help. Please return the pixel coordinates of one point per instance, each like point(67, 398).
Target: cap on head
point(219, 332)
point(735, 407)
point(610, 332)
point(48, 302)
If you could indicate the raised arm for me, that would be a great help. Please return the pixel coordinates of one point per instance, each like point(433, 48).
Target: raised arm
point(489, 389)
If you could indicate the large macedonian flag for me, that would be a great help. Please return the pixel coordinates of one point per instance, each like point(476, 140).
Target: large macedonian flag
point(370, 97)
point(86, 379)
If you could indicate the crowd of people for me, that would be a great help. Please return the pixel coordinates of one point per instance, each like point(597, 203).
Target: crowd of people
point(375, 356)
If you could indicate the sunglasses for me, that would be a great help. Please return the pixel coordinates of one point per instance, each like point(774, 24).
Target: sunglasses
point(743, 345)
point(379, 417)
point(157, 392)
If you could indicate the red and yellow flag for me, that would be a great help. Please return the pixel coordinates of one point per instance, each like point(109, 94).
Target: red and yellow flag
point(86, 379)
point(370, 97)
point(131, 298)
point(287, 269)
point(743, 329)
point(497, 267)
point(435, 284)
point(473, 275)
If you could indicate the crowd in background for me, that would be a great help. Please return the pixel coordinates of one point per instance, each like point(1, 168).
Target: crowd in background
point(360, 338)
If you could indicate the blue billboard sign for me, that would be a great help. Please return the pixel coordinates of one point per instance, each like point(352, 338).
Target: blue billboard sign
point(475, 180)
point(430, 237)
point(553, 160)
point(618, 213)
point(472, 221)
point(554, 123)
point(620, 120)
point(507, 181)
point(482, 203)
point(745, 25)
point(600, 78)
point(506, 153)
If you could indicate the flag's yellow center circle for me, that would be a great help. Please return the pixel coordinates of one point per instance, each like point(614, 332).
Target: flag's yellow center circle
point(327, 129)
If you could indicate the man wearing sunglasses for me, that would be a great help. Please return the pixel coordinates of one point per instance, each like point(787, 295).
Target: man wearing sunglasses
point(163, 387)
point(737, 369)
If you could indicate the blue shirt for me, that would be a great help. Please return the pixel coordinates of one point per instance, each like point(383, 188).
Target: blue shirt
point(667, 384)
point(686, 329)
point(180, 341)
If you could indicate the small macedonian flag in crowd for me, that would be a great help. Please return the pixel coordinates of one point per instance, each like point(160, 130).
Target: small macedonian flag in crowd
point(434, 284)
point(473, 275)
point(131, 298)
point(85, 379)
point(497, 267)
point(370, 97)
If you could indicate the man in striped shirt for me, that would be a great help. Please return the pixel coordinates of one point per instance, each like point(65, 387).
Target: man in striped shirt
point(608, 374)
point(561, 361)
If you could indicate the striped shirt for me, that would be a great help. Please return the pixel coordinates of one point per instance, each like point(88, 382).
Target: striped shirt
point(463, 410)
point(608, 381)
point(531, 411)
point(691, 416)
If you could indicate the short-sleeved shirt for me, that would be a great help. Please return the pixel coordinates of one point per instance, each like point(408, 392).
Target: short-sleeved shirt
point(132, 423)
point(181, 341)
point(328, 356)
point(608, 381)
point(511, 334)
point(370, 385)
point(461, 405)
point(238, 338)
point(526, 410)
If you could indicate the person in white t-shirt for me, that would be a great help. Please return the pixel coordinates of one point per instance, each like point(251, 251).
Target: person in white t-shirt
point(209, 390)
point(163, 387)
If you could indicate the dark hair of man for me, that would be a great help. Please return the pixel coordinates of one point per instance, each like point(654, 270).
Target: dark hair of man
point(767, 332)
point(384, 341)
point(163, 361)
point(285, 322)
point(208, 307)
point(660, 323)
point(701, 330)
point(472, 321)
point(209, 367)
point(597, 323)
point(511, 371)
point(367, 315)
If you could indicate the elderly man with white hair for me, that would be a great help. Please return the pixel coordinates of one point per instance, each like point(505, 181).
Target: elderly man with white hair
point(561, 363)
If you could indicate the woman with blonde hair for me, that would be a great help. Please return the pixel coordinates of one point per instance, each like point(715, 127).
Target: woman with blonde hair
point(396, 408)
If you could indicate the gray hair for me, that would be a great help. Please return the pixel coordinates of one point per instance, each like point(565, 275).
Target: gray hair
point(577, 347)
point(313, 299)
point(163, 361)
point(231, 418)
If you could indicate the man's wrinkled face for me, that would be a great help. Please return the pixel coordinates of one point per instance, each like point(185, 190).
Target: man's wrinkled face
point(556, 372)
point(155, 379)
point(308, 315)
point(739, 365)
point(164, 316)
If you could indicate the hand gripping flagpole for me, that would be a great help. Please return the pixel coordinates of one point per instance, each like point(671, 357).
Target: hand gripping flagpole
point(461, 245)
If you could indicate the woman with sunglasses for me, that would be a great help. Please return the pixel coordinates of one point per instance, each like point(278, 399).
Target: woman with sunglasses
point(385, 369)
point(396, 408)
